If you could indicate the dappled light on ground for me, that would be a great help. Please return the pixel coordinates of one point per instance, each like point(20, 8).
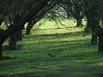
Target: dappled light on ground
point(74, 57)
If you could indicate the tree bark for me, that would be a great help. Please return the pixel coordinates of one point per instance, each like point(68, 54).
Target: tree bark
point(14, 39)
point(79, 21)
point(13, 42)
point(1, 20)
point(19, 35)
point(1, 55)
point(68, 14)
point(94, 34)
point(100, 48)
point(29, 27)
point(1, 43)
point(94, 39)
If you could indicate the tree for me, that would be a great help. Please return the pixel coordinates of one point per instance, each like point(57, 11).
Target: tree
point(74, 8)
point(19, 12)
point(94, 14)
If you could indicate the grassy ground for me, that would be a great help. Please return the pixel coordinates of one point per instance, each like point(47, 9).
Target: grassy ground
point(74, 56)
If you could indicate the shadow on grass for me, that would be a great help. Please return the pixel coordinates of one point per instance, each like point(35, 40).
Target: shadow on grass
point(74, 58)
point(54, 35)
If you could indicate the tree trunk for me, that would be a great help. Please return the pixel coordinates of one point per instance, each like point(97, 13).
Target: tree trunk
point(13, 45)
point(29, 27)
point(69, 15)
point(1, 43)
point(19, 35)
point(1, 55)
point(13, 42)
point(100, 44)
point(1, 20)
point(79, 21)
point(94, 39)
point(14, 39)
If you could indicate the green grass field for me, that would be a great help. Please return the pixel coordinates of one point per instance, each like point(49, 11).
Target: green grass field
point(74, 55)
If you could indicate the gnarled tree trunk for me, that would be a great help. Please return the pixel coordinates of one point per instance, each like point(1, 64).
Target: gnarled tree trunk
point(14, 39)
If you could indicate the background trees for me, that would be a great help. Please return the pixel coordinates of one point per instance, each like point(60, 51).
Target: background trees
point(75, 9)
point(94, 15)
point(93, 11)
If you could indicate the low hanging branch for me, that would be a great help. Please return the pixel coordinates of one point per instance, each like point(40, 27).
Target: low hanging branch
point(39, 15)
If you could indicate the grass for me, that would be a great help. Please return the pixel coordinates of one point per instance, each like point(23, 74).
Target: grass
point(75, 56)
